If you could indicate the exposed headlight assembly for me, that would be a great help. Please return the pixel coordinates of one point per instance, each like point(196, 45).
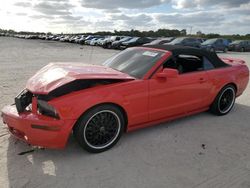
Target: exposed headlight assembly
point(46, 109)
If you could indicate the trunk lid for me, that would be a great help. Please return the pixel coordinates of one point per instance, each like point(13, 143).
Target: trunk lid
point(232, 61)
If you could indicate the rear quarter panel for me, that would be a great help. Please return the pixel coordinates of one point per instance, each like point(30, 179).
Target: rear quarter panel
point(236, 74)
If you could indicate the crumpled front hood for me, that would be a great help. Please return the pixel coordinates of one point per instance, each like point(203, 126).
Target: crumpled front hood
point(55, 75)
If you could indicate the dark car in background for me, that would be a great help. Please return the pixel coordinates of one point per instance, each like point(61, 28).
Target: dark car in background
point(185, 41)
point(135, 41)
point(161, 41)
point(216, 44)
point(107, 43)
point(240, 45)
point(117, 44)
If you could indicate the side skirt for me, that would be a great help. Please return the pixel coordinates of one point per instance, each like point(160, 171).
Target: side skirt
point(152, 123)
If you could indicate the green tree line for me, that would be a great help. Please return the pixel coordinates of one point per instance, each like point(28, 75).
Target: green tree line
point(151, 33)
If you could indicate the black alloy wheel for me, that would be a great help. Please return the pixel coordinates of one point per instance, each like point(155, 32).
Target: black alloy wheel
point(224, 101)
point(100, 128)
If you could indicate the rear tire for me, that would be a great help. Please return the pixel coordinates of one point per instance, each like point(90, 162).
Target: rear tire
point(224, 101)
point(100, 128)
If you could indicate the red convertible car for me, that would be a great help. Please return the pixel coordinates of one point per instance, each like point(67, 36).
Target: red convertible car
point(136, 88)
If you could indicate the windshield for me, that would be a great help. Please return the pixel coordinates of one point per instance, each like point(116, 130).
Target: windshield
point(133, 39)
point(237, 42)
point(113, 38)
point(177, 40)
point(210, 41)
point(125, 39)
point(157, 41)
point(135, 62)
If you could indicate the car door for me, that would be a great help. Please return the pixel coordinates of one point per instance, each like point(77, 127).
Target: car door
point(176, 96)
point(142, 41)
point(192, 42)
point(247, 45)
point(186, 42)
point(220, 45)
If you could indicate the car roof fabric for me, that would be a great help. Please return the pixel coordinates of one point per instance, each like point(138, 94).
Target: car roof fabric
point(177, 50)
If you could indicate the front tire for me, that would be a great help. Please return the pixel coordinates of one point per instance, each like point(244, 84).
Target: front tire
point(224, 101)
point(100, 128)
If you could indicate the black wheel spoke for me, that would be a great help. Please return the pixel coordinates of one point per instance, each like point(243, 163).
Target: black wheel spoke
point(226, 100)
point(102, 129)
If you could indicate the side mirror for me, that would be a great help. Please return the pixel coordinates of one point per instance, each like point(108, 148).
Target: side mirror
point(167, 73)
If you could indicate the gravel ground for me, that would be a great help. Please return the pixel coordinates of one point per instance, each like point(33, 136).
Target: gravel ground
point(193, 152)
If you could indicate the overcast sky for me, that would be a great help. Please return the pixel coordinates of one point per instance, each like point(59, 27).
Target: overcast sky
point(208, 16)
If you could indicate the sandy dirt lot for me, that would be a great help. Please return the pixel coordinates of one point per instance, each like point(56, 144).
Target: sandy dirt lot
point(194, 152)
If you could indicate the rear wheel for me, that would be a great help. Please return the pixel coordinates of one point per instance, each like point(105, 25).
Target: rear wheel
point(100, 128)
point(224, 101)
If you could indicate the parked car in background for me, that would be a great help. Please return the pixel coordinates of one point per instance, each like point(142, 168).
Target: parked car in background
point(100, 41)
point(161, 41)
point(89, 37)
point(74, 38)
point(117, 44)
point(185, 41)
point(81, 39)
point(94, 41)
point(201, 40)
point(135, 41)
point(56, 38)
point(31, 37)
point(65, 38)
point(216, 44)
point(49, 37)
point(240, 45)
point(107, 43)
point(88, 41)
point(42, 37)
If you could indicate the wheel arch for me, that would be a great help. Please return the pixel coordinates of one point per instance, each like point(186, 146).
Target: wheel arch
point(107, 103)
point(224, 85)
point(233, 84)
point(214, 108)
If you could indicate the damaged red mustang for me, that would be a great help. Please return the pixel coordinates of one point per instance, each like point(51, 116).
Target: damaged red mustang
point(136, 88)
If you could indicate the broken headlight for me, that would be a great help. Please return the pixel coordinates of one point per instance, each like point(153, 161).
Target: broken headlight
point(46, 109)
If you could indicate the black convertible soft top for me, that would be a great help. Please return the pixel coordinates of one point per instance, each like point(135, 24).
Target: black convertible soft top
point(185, 50)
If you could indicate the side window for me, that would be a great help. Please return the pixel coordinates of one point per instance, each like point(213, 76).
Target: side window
point(185, 41)
point(140, 40)
point(185, 63)
point(170, 63)
point(207, 64)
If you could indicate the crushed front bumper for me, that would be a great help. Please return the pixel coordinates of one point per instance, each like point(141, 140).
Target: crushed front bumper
point(36, 129)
